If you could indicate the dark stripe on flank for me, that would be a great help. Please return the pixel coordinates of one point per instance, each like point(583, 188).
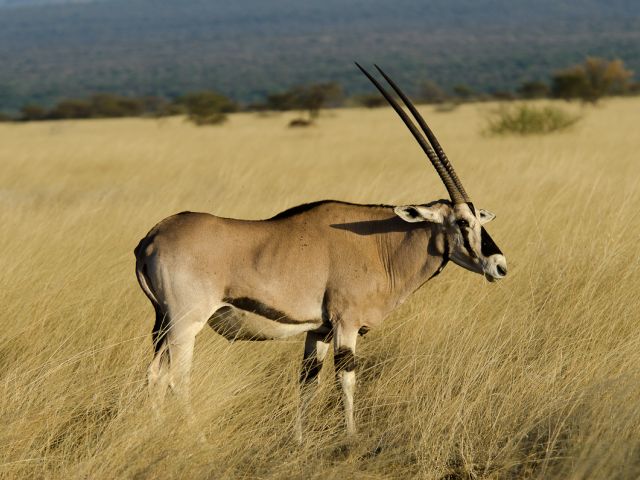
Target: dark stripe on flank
point(255, 306)
point(488, 247)
point(344, 359)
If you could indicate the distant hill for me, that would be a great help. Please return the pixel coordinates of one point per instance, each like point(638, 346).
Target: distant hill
point(246, 48)
point(28, 3)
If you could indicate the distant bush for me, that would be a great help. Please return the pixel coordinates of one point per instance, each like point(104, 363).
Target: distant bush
point(503, 95)
point(107, 105)
point(306, 98)
point(207, 108)
point(312, 98)
point(534, 89)
point(526, 119)
point(100, 105)
point(592, 80)
point(71, 108)
point(430, 92)
point(370, 100)
point(157, 107)
point(463, 92)
point(33, 112)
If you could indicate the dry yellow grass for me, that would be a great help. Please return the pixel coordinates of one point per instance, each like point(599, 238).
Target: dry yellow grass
point(534, 377)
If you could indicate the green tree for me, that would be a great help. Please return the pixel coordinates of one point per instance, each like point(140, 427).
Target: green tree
point(32, 112)
point(312, 98)
point(594, 79)
point(503, 95)
point(430, 92)
point(463, 92)
point(280, 101)
point(207, 107)
point(370, 100)
point(107, 105)
point(569, 83)
point(307, 98)
point(71, 108)
point(534, 89)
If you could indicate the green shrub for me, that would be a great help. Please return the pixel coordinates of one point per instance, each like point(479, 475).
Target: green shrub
point(32, 112)
point(207, 108)
point(370, 100)
point(71, 108)
point(523, 119)
point(308, 98)
point(594, 79)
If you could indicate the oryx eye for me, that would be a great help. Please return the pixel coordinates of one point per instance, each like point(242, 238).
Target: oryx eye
point(462, 223)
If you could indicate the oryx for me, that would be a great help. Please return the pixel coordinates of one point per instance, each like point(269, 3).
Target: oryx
point(330, 269)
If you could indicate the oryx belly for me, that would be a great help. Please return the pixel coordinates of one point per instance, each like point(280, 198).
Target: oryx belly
point(247, 319)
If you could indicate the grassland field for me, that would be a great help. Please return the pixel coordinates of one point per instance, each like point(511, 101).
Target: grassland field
point(537, 376)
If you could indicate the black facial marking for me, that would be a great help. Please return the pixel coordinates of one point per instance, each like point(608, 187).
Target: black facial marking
point(472, 208)
point(465, 241)
point(310, 369)
point(488, 247)
point(344, 359)
point(255, 306)
point(445, 259)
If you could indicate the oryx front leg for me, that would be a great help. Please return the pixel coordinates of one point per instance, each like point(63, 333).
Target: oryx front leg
point(316, 346)
point(344, 351)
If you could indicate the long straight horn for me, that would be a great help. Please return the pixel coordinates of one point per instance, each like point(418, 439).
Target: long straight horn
point(430, 135)
point(454, 193)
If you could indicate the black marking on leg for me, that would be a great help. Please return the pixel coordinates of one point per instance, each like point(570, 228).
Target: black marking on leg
point(160, 329)
point(255, 306)
point(310, 369)
point(344, 359)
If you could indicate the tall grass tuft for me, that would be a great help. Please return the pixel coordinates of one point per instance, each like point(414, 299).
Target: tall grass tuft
point(526, 119)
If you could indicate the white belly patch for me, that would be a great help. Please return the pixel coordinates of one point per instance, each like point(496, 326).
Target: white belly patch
point(241, 323)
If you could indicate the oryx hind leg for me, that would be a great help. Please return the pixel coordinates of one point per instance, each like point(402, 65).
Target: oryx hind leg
point(158, 375)
point(180, 315)
point(184, 325)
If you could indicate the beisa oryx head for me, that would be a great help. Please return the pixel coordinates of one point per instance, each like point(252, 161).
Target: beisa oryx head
point(468, 242)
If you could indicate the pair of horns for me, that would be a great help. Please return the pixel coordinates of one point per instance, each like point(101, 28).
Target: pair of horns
point(438, 158)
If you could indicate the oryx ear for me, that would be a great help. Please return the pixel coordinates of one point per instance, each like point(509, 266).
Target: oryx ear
point(418, 213)
point(485, 216)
